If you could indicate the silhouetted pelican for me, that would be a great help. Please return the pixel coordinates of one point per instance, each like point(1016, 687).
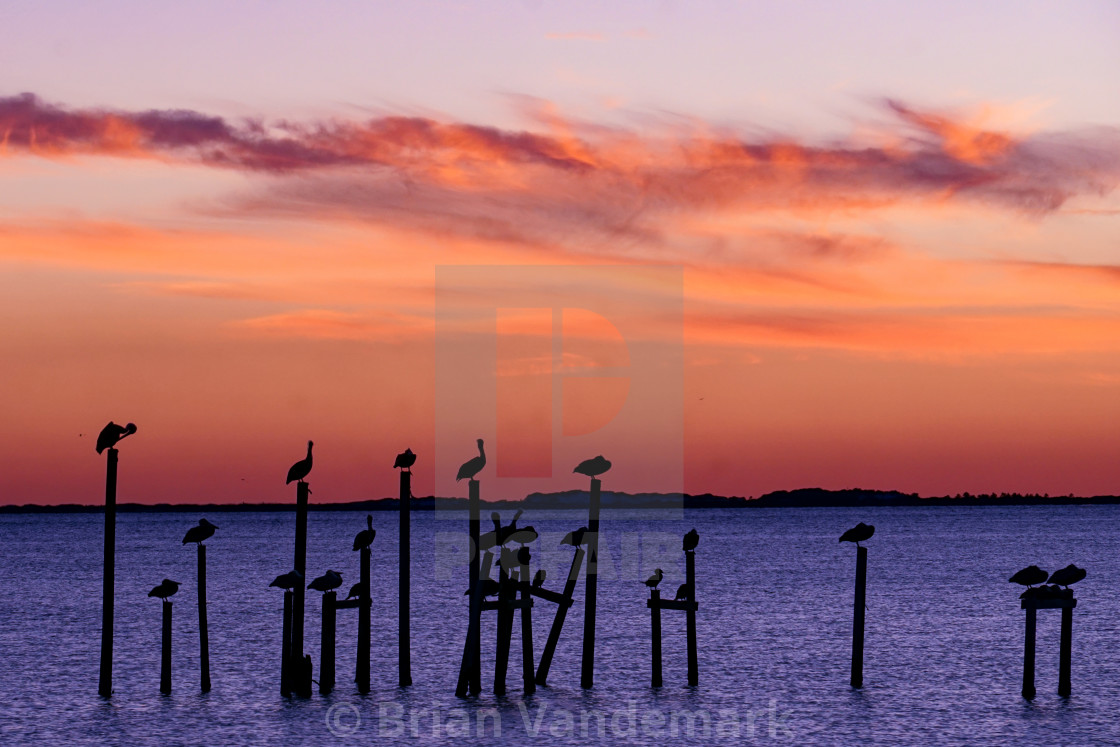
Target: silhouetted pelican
point(287, 581)
point(682, 592)
point(655, 579)
point(538, 579)
point(405, 460)
point(200, 533)
point(472, 467)
point(691, 540)
point(112, 433)
point(593, 467)
point(859, 533)
point(355, 591)
point(490, 587)
point(302, 468)
point(328, 581)
point(365, 537)
point(575, 539)
point(1071, 574)
point(165, 589)
point(1029, 576)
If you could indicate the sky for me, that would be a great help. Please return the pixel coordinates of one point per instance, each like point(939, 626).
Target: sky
point(734, 247)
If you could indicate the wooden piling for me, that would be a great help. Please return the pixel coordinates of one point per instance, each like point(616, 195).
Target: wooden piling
point(203, 629)
point(527, 673)
point(326, 644)
point(165, 658)
point(404, 643)
point(1028, 652)
point(1065, 652)
point(285, 654)
point(361, 668)
point(558, 621)
point(655, 637)
point(857, 618)
point(105, 679)
point(470, 672)
point(301, 683)
point(690, 618)
point(587, 673)
point(504, 627)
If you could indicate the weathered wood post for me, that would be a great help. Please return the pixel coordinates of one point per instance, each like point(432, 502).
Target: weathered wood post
point(105, 680)
point(404, 644)
point(361, 668)
point(285, 654)
point(587, 673)
point(165, 658)
point(690, 618)
point(558, 621)
point(655, 637)
point(527, 673)
point(301, 681)
point(506, 595)
point(857, 618)
point(1065, 652)
point(326, 644)
point(203, 630)
point(470, 674)
point(1028, 652)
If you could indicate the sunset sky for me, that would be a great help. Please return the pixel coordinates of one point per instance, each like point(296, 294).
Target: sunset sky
point(868, 244)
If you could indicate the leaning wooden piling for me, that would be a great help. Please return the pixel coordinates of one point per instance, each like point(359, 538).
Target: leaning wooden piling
point(587, 672)
point(558, 621)
point(105, 680)
point(404, 634)
point(203, 629)
point(301, 682)
point(527, 673)
point(361, 669)
point(1065, 652)
point(286, 652)
point(326, 644)
point(690, 618)
point(857, 617)
point(655, 636)
point(165, 658)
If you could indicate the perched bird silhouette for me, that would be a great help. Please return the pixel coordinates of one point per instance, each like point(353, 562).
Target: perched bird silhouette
point(538, 579)
point(1071, 574)
point(472, 467)
point(364, 538)
point(112, 433)
point(200, 533)
point(165, 589)
point(575, 539)
point(593, 467)
point(1029, 576)
point(287, 581)
point(328, 581)
point(490, 587)
point(355, 591)
point(302, 468)
point(682, 592)
point(405, 460)
point(691, 540)
point(655, 579)
point(859, 533)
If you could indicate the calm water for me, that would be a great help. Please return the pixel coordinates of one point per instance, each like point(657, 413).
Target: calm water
point(944, 633)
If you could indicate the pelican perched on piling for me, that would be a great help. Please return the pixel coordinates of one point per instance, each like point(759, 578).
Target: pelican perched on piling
point(405, 460)
point(1029, 576)
point(538, 579)
point(287, 581)
point(575, 539)
point(112, 433)
point(165, 589)
point(327, 582)
point(472, 467)
point(200, 533)
point(655, 579)
point(691, 540)
point(592, 467)
point(1071, 574)
point(364, 538)
point(859, 533)
point(302, 468)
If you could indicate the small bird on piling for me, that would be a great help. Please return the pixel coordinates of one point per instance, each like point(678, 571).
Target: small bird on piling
point(287, 581)
point(365, 537)
point(355, 591)
point(165, 589)
point(575, 539)
point(1063, 577)
point(302, 468)
point(112, 433)
point(682, 592)
point(859, 533)
point(405, 460)
point(691, 540)
point(655, 579)
point(200, 533)
point(1029, 576)
point(538, 579)
point(490, 587)
point(327, 582)
point(592, 467)
point(472, 467)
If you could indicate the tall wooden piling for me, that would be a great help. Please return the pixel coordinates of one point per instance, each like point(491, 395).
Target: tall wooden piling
point(286, 652)
point(105, 680)
point(301, 683)
point(404, 643)
point(505, 624)
point(361, 668)
point(655, 637)
point(1028, 652)
point(527, 673)
point(1065, 652)
point(165, 658)
point(690, 618)
point(470, 674)
point(558, 621)
point(326, 644)
point(587, 673)
point(203, 629)
point(857, 617)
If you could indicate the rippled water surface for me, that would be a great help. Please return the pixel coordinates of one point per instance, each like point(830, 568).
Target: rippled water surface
point(944, 632)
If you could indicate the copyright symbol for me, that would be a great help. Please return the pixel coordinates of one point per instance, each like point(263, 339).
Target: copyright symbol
point(343, 719)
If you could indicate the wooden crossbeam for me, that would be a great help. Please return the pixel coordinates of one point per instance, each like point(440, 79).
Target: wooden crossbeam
point(673, 604)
